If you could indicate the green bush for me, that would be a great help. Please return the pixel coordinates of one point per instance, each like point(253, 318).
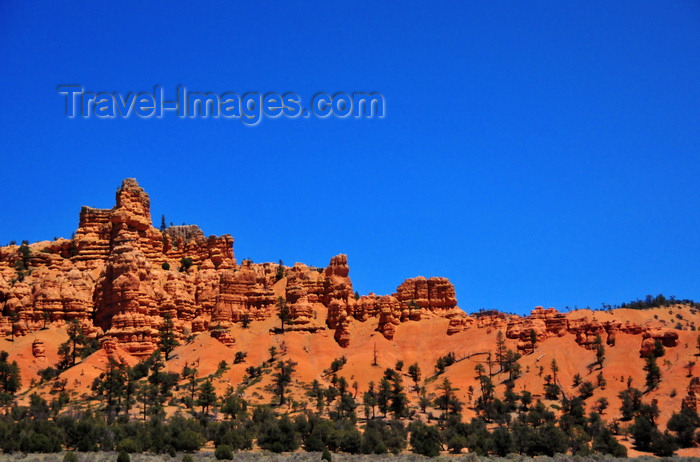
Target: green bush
point(223, 452)
point(189, 440)
point(425, 439)
point(165, 266)
point(70, 456)
point(123, 457)
point(185, 264)
point(187, 458)
point(128, 445)
point(326, 455)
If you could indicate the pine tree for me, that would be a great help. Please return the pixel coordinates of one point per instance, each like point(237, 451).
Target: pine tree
point(282, 311)
point(399, 401)
point(554, 368)
point(190, 373)
point(447, 400)
point(631, 399)
point(659, 349)
point(533, 339)
point(384, 395)
point(500, 348)
point(10, 378)
point(280, 271)
point(207, 397)
point(283, 377)
point(414, 373)
point(369, 399)
point(653, 372)
point(510, 365)
point(113, 385)
point(168, 340)
point(599, 351)
point(70, 349)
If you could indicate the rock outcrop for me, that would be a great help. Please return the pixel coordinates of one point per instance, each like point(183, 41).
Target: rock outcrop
point(119, 276)
point(123, 274)
point(667, 337)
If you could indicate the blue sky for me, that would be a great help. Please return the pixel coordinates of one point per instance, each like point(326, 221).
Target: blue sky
point(535, 153)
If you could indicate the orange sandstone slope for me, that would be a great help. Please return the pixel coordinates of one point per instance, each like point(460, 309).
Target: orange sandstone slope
point(119, 276)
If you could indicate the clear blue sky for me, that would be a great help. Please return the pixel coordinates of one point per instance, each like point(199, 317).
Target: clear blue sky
point(536, 153)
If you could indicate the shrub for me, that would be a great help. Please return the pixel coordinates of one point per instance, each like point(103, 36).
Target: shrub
point(128, 445)
point(326, 455)
point(70, 456)
point(586, 390)
point(185, 264)
point(165, 266)
point(123, 457)
point(189, 440)
point(187, 458)
point(425, 439)
point(223, 452)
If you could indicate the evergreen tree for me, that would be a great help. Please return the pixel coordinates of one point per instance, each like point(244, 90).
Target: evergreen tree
point(659, 349)
point(500, 348)
point(447, 400)
point(168, 340)
point(663, 445)
point(399, 401)
point(554, 368)
point(510, 365)
point(643, 432)
point(283, 377)
point(631, 402)
point(577, 380)
point(684, 425)
point(207, 397)
point(533, 339)
point(601, 405)
point(10, 378)
point(190, 374)
point(600, 381)
point(113, 385)
point(185, 264)
point(384, 395)
point(586, 390)
point(653, 376)
point(282, 311)
point(551, 389)
point(369, 399)
point(235, 407)
point(414, 374)
point(71, 348)
point(599, 351)
point(425, 439)
point(280, 271)
point(502, 441)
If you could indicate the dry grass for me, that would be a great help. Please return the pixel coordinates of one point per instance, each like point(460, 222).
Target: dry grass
point(315, 456)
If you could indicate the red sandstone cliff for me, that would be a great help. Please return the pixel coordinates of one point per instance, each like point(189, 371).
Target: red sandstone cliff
point(122, 275)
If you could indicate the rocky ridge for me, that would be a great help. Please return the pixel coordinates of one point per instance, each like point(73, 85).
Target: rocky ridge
point(119, 276)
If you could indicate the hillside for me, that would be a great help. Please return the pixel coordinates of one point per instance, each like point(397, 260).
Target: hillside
point(120, 285)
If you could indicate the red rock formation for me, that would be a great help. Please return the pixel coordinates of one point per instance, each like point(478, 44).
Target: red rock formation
point(459, 321)
point(223, 336)
point(667, 337)
point(123, 274)
point(38, 349)
point(389, 308)
point(366, 307)
point(434, 294)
